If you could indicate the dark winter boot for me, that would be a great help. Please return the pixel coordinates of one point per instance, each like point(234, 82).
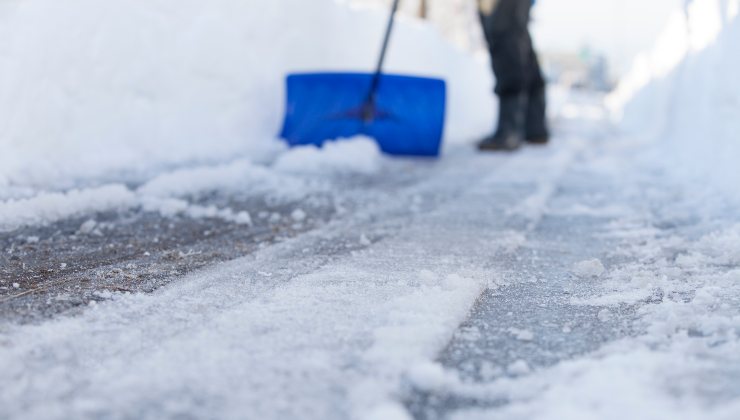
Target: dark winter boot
point(536, 121)
point(509, 134)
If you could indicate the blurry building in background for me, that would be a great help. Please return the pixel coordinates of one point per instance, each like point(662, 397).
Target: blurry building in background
point(584, 70)
point(457, 20)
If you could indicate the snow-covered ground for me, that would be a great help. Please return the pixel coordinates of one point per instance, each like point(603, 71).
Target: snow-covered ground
point(348, 320)
point(594, 278)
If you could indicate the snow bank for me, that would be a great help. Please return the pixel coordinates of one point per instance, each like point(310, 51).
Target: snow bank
point(687, 94)
point(91, 89)
point(94, 95)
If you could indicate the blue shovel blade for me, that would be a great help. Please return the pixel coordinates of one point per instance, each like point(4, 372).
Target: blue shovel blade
point(408, 119)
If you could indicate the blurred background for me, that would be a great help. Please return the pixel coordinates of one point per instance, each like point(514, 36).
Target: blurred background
point(124, 89)
point(581, 42)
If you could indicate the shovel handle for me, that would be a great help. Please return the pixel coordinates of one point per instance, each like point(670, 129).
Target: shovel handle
point(369, 107)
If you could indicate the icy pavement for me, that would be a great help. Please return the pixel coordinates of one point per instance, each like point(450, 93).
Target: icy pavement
point(573, 281)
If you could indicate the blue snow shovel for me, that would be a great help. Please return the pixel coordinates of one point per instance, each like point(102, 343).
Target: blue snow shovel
point(404, 114)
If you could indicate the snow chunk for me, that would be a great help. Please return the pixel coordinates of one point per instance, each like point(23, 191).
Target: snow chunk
point(88, 227)
point(388, 411)
point(365, 241)
point(275, 218)
point(604, 315)
point(521, 335)
point(298, 215)
point(588, 269)
point(520, 367)
point(716, 248)
point(170, 207)
point(356, 155)
point(243, 218)
point(431, 376)
point(489, 371)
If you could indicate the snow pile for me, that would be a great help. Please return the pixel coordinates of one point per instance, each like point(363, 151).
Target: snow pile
point(174, 193)
point(356, 155)
point(121, 87)
point(240, 175)
point(709, 262)
point(49, 207)
point(170, 194)
point(718, 248)
point(687, 94)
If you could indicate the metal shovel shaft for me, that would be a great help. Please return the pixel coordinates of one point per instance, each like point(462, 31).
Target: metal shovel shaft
point(368, 109)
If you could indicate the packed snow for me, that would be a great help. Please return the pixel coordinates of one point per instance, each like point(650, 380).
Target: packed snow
point(332, 338)
point(349, 320)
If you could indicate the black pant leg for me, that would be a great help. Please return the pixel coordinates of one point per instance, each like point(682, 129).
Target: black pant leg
point(509, 45)
point(536, 81)
point(536, 130)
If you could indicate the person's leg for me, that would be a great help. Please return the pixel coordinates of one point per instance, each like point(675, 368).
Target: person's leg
point(505, 29)
point(536, 116)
